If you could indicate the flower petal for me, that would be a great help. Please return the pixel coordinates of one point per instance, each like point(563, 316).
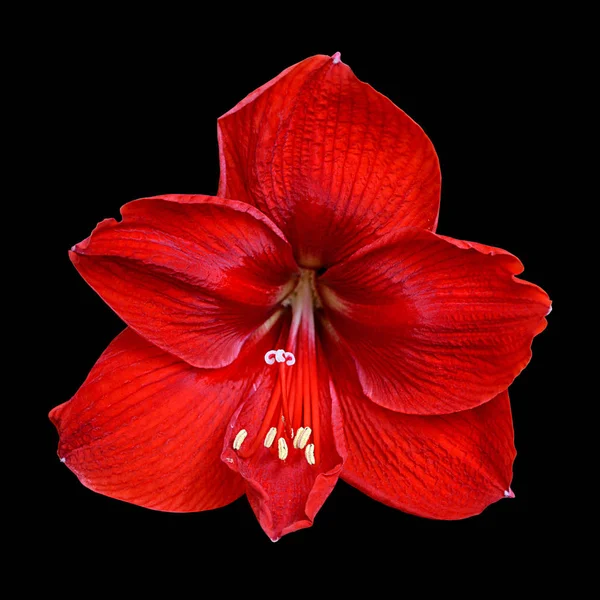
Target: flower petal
point(434, 325)
point(334, 163)
point(440, 467)
point(147, 428)
point(194, 275)
point(285, 494)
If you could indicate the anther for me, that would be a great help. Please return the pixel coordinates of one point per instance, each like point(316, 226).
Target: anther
point(239, 439)
point(280, 356)
point(291, 359)
point(270, 437)
point(310, 454)
point(282, 449)
point(304, 437)
point(298, 436)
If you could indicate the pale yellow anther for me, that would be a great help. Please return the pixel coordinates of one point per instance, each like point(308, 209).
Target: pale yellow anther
point(239, 439)
point(304, 437)
point(298, 436)
point(310, 454)
point(270, 437)
point(282, 449)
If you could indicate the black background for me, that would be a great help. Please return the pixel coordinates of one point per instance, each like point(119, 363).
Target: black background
point(132, 113)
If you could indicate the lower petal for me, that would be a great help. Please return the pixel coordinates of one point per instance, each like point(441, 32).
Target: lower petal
point(285, 493)
point(440, 467)
point(148, 428)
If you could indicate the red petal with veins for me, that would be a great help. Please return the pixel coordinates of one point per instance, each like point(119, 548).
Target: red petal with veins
point(434, 325)
point(440, 467)
point(285, 494)
point(148, 428)
point(334, 163)
point(194, 275)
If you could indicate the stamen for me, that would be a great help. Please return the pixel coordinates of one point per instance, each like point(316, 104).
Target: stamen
point(282, 449)
point(270, 437)
point(239, 439)
point(292, 415)
point(304, 437)
point(296, 409)
point(298, 436)
point(314, 388)
point(310, 454)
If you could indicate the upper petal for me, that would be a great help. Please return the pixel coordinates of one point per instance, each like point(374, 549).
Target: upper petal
point(285, 494)
point(334, 163)
point(148, 428)
point(194, 275)
point(434, 325)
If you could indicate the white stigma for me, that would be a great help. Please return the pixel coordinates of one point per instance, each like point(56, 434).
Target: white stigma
point(282, 449)
point(270, 437)
point(303, 437)
point(280, 356)
point(239, 439)
point(310, 454)
point(298, 434)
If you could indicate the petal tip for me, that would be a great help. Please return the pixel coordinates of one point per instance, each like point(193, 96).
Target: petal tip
point(337, 58)
point(549, 309)
point(63, 460)
point(509, 493)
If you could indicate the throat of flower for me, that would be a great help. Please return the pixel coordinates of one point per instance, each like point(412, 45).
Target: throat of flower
point(291, 422)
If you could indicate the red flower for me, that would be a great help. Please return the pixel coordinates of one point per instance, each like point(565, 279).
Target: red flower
point(305, 325)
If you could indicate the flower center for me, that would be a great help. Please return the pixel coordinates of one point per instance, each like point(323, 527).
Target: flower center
point(291, 422)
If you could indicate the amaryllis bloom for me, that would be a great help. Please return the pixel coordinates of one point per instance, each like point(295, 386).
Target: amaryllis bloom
point(305, 325)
